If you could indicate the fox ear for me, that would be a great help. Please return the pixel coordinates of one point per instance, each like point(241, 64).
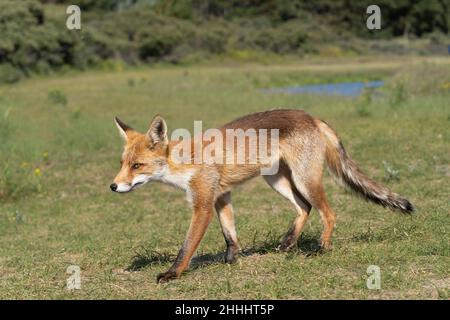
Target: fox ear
point(158, 131)
point(124, 129)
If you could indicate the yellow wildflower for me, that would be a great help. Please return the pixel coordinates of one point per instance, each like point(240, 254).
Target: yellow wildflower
point(445, 86)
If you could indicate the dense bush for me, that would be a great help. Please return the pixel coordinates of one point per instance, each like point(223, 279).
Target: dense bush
point(9, 74)
point(399, 17)
point(32, 43)
point(136, 31)
point(285, 39)
point(96, 4)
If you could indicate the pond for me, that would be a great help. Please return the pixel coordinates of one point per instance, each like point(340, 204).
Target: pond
point(351, 89)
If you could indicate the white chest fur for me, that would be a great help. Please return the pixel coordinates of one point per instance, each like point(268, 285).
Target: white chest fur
point(179, 179)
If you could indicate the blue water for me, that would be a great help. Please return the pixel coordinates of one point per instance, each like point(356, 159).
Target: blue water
point(352, 89)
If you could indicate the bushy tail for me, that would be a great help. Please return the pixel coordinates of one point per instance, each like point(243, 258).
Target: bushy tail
point(348, 172)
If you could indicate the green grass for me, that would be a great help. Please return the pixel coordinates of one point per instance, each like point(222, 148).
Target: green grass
point(58, 160)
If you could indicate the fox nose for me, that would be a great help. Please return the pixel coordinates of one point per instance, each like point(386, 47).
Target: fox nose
point(113, 187)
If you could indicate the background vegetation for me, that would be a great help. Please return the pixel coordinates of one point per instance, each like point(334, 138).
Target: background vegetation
point(60, 151)
point(35, 40)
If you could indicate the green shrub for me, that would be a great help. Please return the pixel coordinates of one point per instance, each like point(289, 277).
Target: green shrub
point(158, 45)
point(31, 42)
point(287, 38)
point(214, 39)
point(57, 97)
point(391, 174)
point(364, 103)
point(398, 94)
point(9, 74)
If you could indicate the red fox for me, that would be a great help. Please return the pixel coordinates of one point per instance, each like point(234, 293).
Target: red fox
point(305, 143)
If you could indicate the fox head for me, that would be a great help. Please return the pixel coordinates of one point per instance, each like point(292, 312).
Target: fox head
point(144, 157)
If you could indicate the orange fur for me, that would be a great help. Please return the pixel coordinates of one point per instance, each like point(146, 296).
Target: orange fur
point(305, 144)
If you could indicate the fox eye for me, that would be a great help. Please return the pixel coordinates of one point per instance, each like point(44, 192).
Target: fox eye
point(136, 166)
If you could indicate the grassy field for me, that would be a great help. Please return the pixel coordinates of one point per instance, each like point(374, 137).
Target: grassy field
point(60, 151)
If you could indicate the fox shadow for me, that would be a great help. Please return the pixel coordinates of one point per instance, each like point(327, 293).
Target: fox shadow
point(307, 245)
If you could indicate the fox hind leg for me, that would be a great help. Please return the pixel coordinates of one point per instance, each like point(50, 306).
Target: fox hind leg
point(225, 213)
point(283, 184)
point(327, 215)
point(310, 185)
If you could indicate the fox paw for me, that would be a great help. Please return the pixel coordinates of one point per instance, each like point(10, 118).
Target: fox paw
point(326, 246)
point(166, 276)
point(287, 244)
point(285, 247)
point(231, 255)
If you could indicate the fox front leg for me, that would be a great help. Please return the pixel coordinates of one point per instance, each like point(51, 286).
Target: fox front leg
point(201, 218)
